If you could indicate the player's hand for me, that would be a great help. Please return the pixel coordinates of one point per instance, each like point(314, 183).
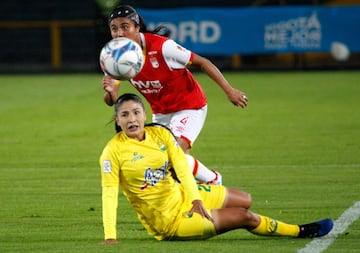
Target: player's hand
point(199, 208)
point(111, 88)
point(109, 241)
point(238, 98)
point(109, 84)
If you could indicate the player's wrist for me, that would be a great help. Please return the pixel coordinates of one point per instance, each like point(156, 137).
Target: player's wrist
point(108, 98)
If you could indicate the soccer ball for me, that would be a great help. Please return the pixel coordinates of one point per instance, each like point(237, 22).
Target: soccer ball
point(121, 58)
point(339, 51)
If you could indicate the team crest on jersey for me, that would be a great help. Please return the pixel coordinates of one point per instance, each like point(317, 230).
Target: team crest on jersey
point(154, 62)
point(180, 48)
point(162, 146)
point(136, 157)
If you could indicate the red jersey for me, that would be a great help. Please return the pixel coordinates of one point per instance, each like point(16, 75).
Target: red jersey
point(164, 80)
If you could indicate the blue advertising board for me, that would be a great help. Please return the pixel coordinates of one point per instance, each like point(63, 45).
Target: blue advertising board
point(225, 31)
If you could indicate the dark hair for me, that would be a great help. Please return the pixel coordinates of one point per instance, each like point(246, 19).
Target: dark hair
point(127, 97)
point(125, 11)
point(129, 12)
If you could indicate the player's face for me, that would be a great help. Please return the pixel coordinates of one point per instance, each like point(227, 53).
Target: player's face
point(131, 117)
point(124, 27)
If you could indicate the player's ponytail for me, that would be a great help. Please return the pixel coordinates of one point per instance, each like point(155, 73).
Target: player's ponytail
point(159, 30)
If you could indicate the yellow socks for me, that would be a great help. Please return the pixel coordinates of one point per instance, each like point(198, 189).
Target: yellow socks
point(270, 226)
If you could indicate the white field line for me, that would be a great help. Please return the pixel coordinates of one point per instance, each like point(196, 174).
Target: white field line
point(340, 225)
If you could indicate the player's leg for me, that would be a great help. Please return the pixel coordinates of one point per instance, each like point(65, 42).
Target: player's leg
point(186, 126)
point(227, 219)
point(237, 198)
point(234, 214)
point(237, 217)
point(201, 173)
point(195, 227)
point(229, 207)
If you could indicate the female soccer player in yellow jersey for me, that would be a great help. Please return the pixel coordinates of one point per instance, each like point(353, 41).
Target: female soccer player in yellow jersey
point(153, 172)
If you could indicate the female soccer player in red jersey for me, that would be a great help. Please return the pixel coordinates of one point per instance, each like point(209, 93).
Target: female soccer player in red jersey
point(153, 172)
point(176, 98)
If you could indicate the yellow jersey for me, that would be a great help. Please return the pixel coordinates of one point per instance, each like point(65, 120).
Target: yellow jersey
point(142, 169)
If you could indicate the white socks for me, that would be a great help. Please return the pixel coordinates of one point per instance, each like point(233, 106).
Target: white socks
point(200, 172)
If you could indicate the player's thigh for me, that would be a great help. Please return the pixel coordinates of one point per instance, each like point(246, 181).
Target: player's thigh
point(213, 196)
point(194, 227)
point(188, 124)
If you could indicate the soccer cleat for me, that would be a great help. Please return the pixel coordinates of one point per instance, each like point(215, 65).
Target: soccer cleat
point(316, 229)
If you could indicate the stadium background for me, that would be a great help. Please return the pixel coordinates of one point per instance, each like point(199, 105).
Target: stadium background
point(66, 36)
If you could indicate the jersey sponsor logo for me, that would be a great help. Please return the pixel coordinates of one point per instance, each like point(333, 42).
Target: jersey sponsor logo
point(154, 86)
point(153, 176)
point(107, 166)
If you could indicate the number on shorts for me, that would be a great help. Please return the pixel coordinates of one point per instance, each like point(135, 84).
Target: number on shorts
point(204, 187)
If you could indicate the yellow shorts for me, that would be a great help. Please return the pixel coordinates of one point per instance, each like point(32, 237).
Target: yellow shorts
point(196, 227)
point(213, 196)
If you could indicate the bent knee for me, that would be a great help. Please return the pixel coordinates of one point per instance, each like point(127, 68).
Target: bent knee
point(247, 200)
point(185, 145)
point(238, 198)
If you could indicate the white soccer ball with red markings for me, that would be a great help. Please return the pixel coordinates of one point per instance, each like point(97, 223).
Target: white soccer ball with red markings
point(121, 58)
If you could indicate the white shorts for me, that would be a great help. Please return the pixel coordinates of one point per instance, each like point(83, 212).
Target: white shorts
point(186, 124)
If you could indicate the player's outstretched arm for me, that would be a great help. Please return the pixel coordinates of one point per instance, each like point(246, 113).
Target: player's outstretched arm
point(237, 97)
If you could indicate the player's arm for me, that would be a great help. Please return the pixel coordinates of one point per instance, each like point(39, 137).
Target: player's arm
point(110, 189)
point(109, 204)
point(111, 88)
point(236, 96)
point(178, 57)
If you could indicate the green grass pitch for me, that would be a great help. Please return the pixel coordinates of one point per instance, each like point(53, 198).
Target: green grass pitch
point(296, 149)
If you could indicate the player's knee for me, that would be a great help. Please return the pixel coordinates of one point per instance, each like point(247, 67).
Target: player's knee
point(185, 145)
point(238, 198)
point(244, 218)
point(246, 200)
